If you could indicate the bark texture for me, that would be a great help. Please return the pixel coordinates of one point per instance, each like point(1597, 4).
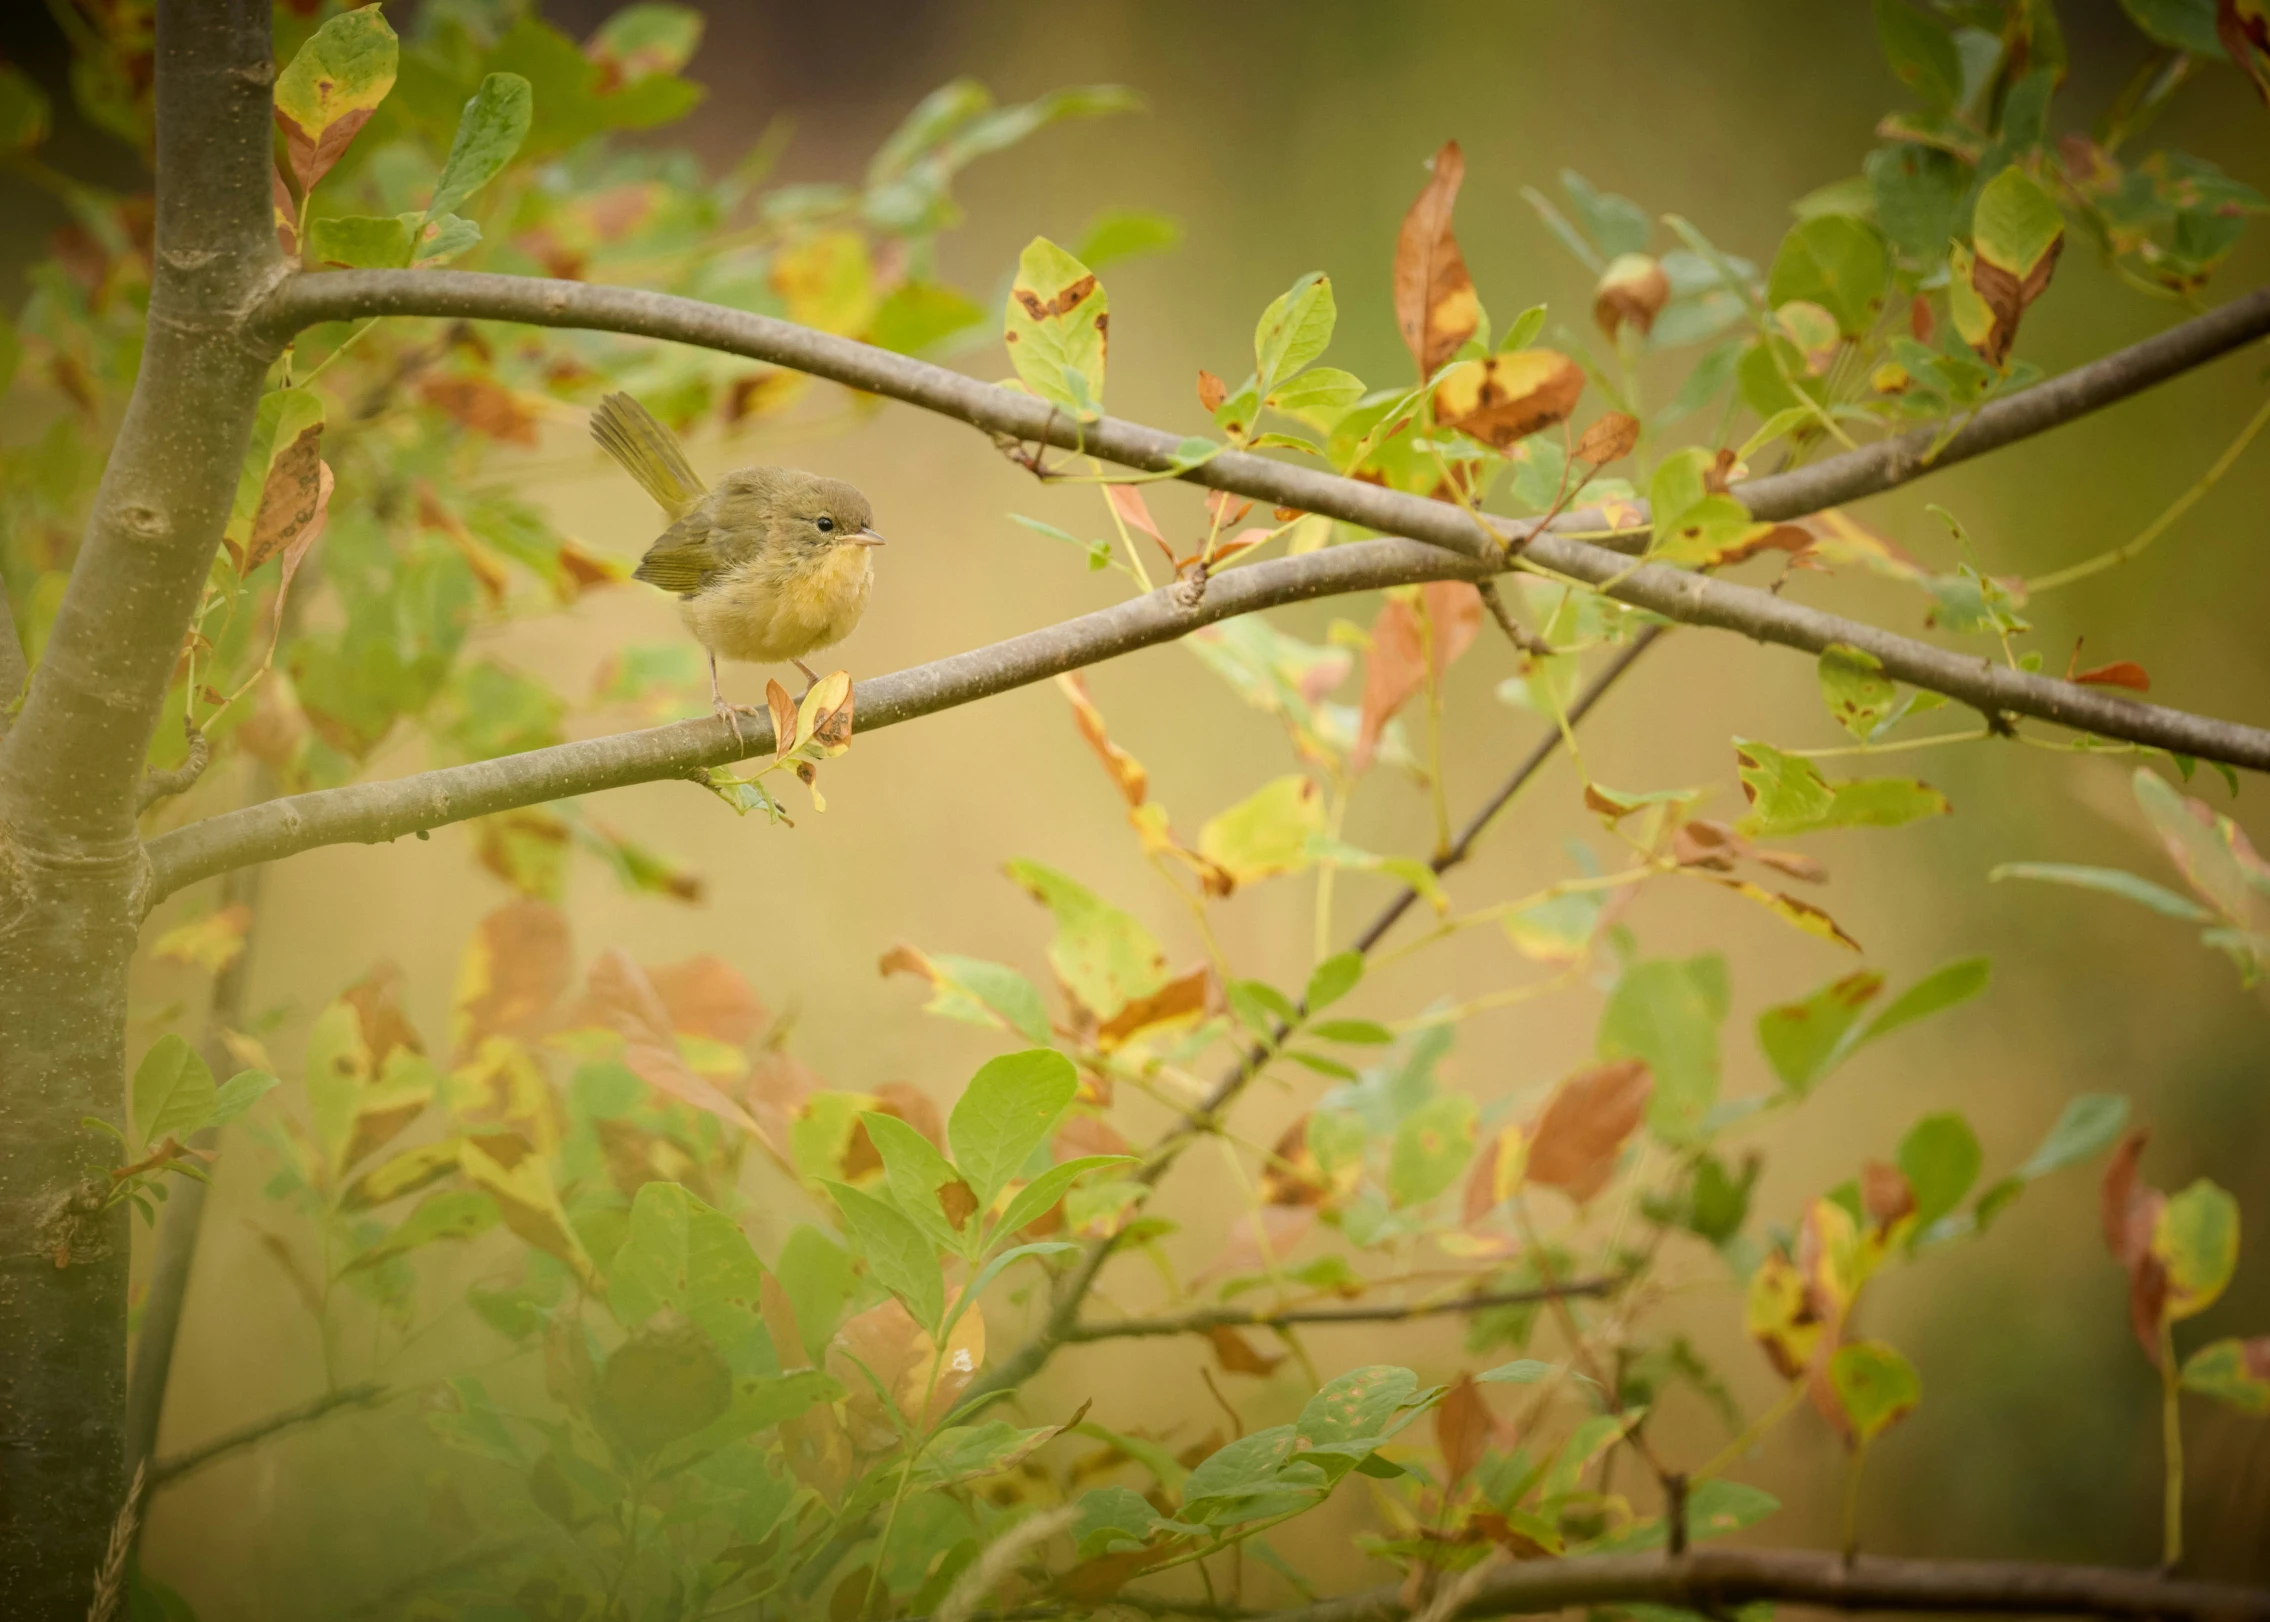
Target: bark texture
point(72, 872)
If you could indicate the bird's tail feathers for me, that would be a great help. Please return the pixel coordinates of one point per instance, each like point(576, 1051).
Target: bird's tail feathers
point(648, 452)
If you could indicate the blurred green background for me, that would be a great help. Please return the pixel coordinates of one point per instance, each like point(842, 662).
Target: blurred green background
point(1290, 137)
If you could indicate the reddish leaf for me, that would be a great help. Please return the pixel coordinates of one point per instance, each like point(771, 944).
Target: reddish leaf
point(1126, 771)
point(1885, 1193)
point(1435, 306)
point(2130, 1211)
point(1611, 439)
point(915, 1107)
point(1398, 661)
point(1212, 391)
point(783, 711)
point(1237, 1355)
point(1581, 1132)
point(1127, 501)
point(707, 996)
point(483, 405)
point(514, 970)
point(1462, 1429)
point(2120, 673)
point(620, 996)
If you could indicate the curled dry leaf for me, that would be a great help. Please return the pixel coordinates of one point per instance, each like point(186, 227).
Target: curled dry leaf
point(783, 711)
point(2129, 1209)
point(1126, 771)
point(2120, 673)
point(1504, 399)
point(1435, 306)
point(1237, 1355)
point(294, 501)
point(1610, 439)
point(1582, 1130)
point(1632, 292)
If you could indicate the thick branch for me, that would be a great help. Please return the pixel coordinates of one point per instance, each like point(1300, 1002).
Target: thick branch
point(1211, 1318)
point(1715, 1579)
point(375, 812)
point(473, 295)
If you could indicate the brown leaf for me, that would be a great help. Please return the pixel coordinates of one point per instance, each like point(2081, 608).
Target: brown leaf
point(959, 1201)
point(707, 996)
point(2120, 1190)
point(2006, 298)
point(1610, 439)
point(1462, 1429)
point(1291, 1174)
point(1707, 844)
point(1127, 501)
point(1126, 771)
point(1404, 650)
point(1237, 1355)
point(620, 996)
point(783, 710)
point(377, 1001)
point(1090, 1135)
point(2120, 673)
point(514, 969)
point(1176, 1000)
point(293, 500)
point(1580, 1133)
point(636, 1157)
point(1791, 863)
point(1799, 914)
point(1885, 1194)
point(1212, 391)
point(1632, 291)
point(915, 1107)
point(1435, 306)
point(1506, 398)
point(483, 405)
point(2247, 39)
point(903, 1360)
point(311, 157)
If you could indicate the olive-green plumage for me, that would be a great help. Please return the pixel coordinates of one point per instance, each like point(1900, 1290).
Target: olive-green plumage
point(771, 564)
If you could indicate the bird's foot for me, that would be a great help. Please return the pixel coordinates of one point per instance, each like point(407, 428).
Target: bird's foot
point(730, 713)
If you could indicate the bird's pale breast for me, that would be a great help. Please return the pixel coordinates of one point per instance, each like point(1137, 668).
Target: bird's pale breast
point(767, 615)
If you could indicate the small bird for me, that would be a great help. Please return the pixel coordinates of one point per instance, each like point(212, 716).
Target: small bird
point(772, 564)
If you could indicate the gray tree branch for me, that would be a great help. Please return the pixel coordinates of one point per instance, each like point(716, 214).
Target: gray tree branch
point(1713, 1580)
point(1206, 1319)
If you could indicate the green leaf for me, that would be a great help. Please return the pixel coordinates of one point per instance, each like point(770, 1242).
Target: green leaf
point(918, 316)
point(819, 1279)
point(2087, 1124)
point(2187, 25)
point(1333, 979)
point(238, 1094)
point(1803, 1041)
point(1362, 1032)
point(330, 88)
point(362, 241)
point(1030, 1203)
point(1837, 262)
point(1942, 988)
point(2196, 1239)
point(1105, 959)
point(1320, 397)
point(1118, 234)
point(1006, 1112)
point(173, 1092)
point(2016, 224)
point(1788, 795)
point(1293, 330)
point(452, 1214)
point(899, 1256)
point(1224, 1486)
point(489, 132)
point(1940, 1158)
point(2233, 1371)
point(681, 1255)
point(1111, 1520)
point(919, 1178)
point(2112, 881)
point(1432, 1146)
point(1918, 191)
point(25, 116)
point(1056, 322)
point(1266, 833)
point(993, 1269)
point(1876, 1386)
point(441, 238)
point(1922, 54)
point(1260, 1006)
point(1855, 688)
point(1668, 1012)
point(1356, 1406)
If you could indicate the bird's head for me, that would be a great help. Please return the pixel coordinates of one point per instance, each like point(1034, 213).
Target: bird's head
point(802, 514)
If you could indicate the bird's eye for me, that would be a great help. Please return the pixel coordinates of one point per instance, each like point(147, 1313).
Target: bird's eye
point(827, 525)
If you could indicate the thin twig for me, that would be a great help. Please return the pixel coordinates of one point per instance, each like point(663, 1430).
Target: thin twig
point(163, 785)
point(1208, 1319)
point(368, 1394)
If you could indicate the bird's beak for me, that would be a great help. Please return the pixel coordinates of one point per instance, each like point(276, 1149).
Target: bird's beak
point(864, 537)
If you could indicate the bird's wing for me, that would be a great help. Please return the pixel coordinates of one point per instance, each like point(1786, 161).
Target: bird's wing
point(687, 556)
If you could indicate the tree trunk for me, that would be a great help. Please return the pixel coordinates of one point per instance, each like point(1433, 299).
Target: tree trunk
point(72, 874)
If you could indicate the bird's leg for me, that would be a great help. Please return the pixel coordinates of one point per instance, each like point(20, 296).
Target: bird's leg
point(730, 713)
point(811, 679)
